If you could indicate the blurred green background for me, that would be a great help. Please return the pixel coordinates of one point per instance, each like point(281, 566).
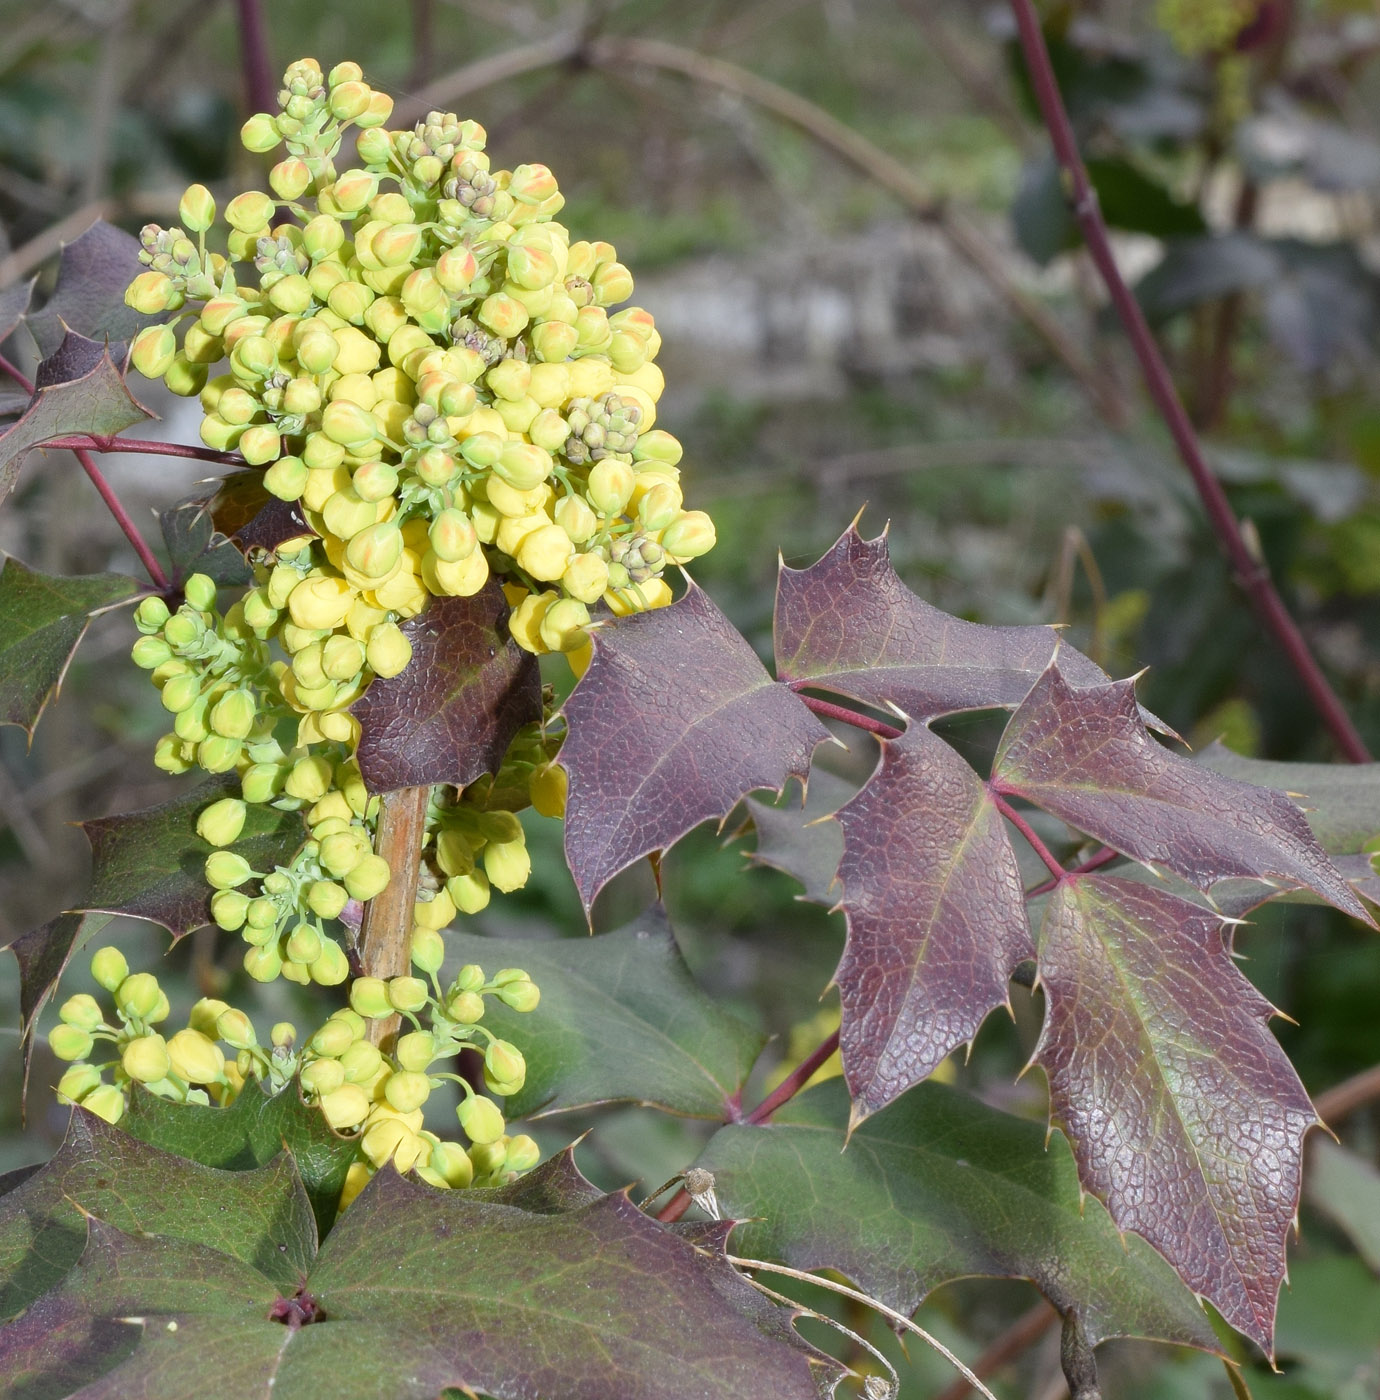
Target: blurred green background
point(827, 350)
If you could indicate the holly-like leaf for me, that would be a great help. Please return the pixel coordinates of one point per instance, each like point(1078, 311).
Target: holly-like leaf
point(43, 954)
point(620, 1019)
point(196, 547)
point(583, 1303)
point(848, 624)
point(1186, 1117)
point(450, 716)
point(936, 1187)
point(57, 1346)
point(1340, 800)
point(150, 864)
point(1083, 753)
point(799, 840)
point(90, 298)
point(43, 618)
point(936, 917)
point(250, 1133)
point(674, 722)
point(244, 511)
point(553, 1186)
point(77, 390)
point(260, 1217)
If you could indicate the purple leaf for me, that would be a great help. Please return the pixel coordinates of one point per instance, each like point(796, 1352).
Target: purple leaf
point(253, 518)
point(77, 390)
point(195, 546)
point(1083, 753)
point(936, 917)
point(674, 722)
point(1186, 1117)
point(450, 716)
point(848, 624)
point(90, 297)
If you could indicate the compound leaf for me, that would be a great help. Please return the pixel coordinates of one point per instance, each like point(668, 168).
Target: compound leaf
point(1185, 1116)
point(936, 1187)
point(620, 1019)
point(43, 618)
point(1083, 753)
point(848, 624)
point(936, 916)
point(77, 390)
point(673, 723)
point(450, 716)
point(90, 298)
point(248, 1133)
point(260, 1217)
point(150, 864)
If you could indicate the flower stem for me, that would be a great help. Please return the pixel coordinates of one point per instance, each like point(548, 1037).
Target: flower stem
point(1251, 570)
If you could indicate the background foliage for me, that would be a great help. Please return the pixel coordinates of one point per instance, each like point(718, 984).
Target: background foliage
point(824, 348)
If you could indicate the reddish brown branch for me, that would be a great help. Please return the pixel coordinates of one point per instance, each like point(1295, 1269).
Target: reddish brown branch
point(1028, 831)
point(91, 442)
point(795, 1081)
point(826, 709)
point(260, 86)
point(1252, 573)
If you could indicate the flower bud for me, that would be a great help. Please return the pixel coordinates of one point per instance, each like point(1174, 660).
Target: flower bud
point(522, 1154)
point(362, 1061)
point(152, 293)
point(547, 787)
point(76, 1083)
point(427, 950)
point(195, 1057)
point(331, 967)
point(220, 824)
point(369, 996)
point(380, 108)
point(146, 1059)
point(333, 1039)
point(521, 995)
point(225, 870)
point(563, 625)
point(82, 1011)
point(150, 615)
point(345, 1107)
point(105, 1101)
point(388, 651)
point(249, 212)
point(303, 944)
point(610, 485)
point(407, 993)
point(689, 535)
point(153, 351)
point(320, 603)
point(586, 578)
point(470, 891)
point(415, 1051)
point(138, 997)
point(264, 964)
point(545, 552)
point(481, 1119)
point(228, 909)
point(69, 1042)
point(507, 865)
point(109, 968)
point(322, 1077)
point(287, 478)
point(504, 1062)
point(368, 878)
point(375, 550)
point(407, 1090)
point(290, 178)
point(466, 1008)
point(452, 1163)
point(259, 134)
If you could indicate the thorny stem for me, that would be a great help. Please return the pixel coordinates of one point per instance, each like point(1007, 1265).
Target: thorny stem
point(88, 465)
point(260, 89)
point(1252, 572)
point(1028, 831)
point(826, 709)
point(795, 1081)
point(91, 442)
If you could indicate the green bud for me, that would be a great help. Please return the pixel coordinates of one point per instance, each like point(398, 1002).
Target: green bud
point(150, 615)
point(451, 1162)
point(220, 824)
point(322, 1077)
point(263, 964)
point(77, 1082)
point(200, 592)
point(82, 1011)
point(105, 1101)
point(508, 865)
point(331, 967)
point(481, 1119)
point(407, 1090)
point(146, 1059)
point(228, 908)
point(196, 210)
point(259, 134)
point(368, 878)
point(504, 1062)
point(249, 212)
point(195, 1057)
point(522, 1154)
point(362, 1061)
point(326, 899)
point(69, 1042)
point(470, 892)
point(303, 944)
point(148, 653)
point(466, 1008)
point(153, 293)
point(470, 978)
point(138, 996)
point(407, 993)
point(520, 995)
point(236, 1029)
point(333, 1039)
point(153, 351)
point(346, 1107)
point(369, 996)
point(428, 949)
point(689, 535)
point(260, 443)
point(226, 871)
point(388, 650)
point(415, 1050)
point(109, 968)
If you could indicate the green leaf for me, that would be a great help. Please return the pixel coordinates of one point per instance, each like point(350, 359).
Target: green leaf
point(1195, 270)
point(90, 298)
point(260, 1217)
point(1346, 1189)
point(43, 954)
point(798, 841)
point(620, 1019)
point(77, 390)
point(938, 1187)
point(1329, 1316)
point(1185, 1116)
point(43, 618)
point(14, 303)
point(249, 1133)
point(150, 864)
point(57, 1346)
point(1341, 801)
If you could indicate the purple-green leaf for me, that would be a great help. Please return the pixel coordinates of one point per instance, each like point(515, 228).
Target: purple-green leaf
point(195, 546)
point(43, 618)
point(150, 864)
point(90, 298)
point(59, 1345)
point(848, 624)
point(1083, 753)
point(800, 840)
point(675, 721)
point(938, 1187)
point(936, 917)
point(14, 304)
point(43, 954)
point(244, 511)
point(451, 714)
point(77, 390)
point(1186, 1117)
point(260, 1217)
